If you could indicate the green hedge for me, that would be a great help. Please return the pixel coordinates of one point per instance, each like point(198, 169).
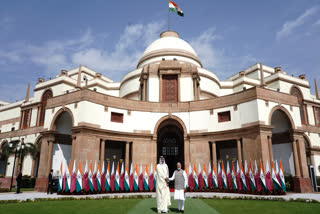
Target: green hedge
point(28, 182)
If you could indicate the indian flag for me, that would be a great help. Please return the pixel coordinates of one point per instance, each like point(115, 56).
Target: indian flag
point(79, 179)
point(68, 183)
point(107, 182)
point(214, 177)
point(146, 179)
point(243, 177)
point(185, 170)
point(204, 176)
point(195, 177)
point(117, 179)
point(223, 176)
point(90, 178)
point(126, 180)
point(135, 179)
point(282, 181)
point(98, 178)
point(155, 176)
point(60, 177)
point(275, 181)
point(234, 177)
point(262, 178)
point(173, 7)
point(251, 176)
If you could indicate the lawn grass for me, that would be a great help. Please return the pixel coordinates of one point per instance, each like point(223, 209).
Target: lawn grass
point(116, 206)
point(265, 207)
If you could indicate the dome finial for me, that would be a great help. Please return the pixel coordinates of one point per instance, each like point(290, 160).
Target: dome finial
point(169, 33)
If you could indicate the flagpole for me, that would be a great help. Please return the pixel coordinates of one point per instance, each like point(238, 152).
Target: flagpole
point(168, 19)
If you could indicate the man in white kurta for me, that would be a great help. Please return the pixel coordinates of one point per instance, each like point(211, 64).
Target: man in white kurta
point(180, 182)
point(162, 187)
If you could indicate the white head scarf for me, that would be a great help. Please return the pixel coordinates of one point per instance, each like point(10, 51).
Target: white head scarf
point(164, 160)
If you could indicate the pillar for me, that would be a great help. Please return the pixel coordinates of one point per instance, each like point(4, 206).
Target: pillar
point(239, 150)
point(296, 158)
point(102, 149)
point(186, 152)
point(270, 148)
point(127, 153)
point(50, 147)
point(214, 154)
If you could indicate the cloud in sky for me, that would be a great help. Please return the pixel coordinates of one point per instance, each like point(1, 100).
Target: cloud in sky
point(289, 26)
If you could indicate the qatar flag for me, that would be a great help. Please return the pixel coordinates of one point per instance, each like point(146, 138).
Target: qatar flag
point(140, 184)
point(131, 178)
point(229, 177)
point(121, 181)
point(268, 178)
point(257, 177)
point(246, 174)
point(112, 178)
point(151, 180)
point(94, 177)
point(73, 178)
point(200, 178)
point(85, 179)
point(219, 177)
point(238, 177)
point(103, 178)
point(190, 178)
point(210, 185)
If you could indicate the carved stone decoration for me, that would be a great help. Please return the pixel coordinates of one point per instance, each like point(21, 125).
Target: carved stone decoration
point(170, 88)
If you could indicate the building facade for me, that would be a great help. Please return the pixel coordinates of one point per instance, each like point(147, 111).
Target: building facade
point(169, 105)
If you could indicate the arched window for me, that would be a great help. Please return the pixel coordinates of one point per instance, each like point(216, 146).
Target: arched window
point(296, 92)
point(3, 158)
point(46, 95)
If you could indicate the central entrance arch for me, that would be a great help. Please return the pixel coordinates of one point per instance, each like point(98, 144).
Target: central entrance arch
point(170, 143)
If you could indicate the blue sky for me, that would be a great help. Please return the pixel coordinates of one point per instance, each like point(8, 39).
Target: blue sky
point(39, 38)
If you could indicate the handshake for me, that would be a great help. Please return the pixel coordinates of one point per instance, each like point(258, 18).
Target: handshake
point(167, 180)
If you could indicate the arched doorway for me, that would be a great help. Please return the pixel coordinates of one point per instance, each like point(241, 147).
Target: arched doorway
point(170, 143)
point(4, 157)
point(281, 141)
point(62, 145)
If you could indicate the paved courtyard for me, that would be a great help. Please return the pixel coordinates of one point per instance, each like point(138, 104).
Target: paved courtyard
point(32, 195)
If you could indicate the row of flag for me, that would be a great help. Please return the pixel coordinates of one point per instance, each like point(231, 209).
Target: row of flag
point(96, 179)
point(242, 179)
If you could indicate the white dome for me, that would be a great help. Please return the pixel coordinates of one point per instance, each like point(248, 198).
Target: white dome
point(169, 40)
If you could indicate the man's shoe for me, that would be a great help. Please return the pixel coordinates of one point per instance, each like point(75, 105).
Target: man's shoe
point(182, 211)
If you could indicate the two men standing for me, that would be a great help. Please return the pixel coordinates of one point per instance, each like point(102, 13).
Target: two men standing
point(162, 187)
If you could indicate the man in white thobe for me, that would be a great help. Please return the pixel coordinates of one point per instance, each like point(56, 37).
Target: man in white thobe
point(162, 187)
point(180, 182)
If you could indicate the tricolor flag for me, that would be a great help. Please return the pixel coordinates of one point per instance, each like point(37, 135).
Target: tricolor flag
point(98, 178)
point(173, 7)
point(185, 171)
point(238, 177)
point(214, 177)
point(205, 178)
point(246, 174)
point(282, 180)
point(277, 171)
point(234, 178)
point(117, 179)
point(60, 178)
point(121, 181)
point(73, 178)
point(223, 176)
point(79, 178)
point(140, 183)
point(229, 177)
point(107, 183)
point(94, 177)
point(151, 180)
point(131, 178)
point(262, 178)
point(275, 181)
point(85, 180)
point(90, 178)
point(136, 179)
point(126, 180)
point(68, 177)
point(219, 176)
point(257, 177)
point(195, 177)
point(251, 177)
point(190, 178)
point(268, 178)
point(155, 176)
point(146, 179)
point(243, 178)
point(210, 176)
point(103, 178)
